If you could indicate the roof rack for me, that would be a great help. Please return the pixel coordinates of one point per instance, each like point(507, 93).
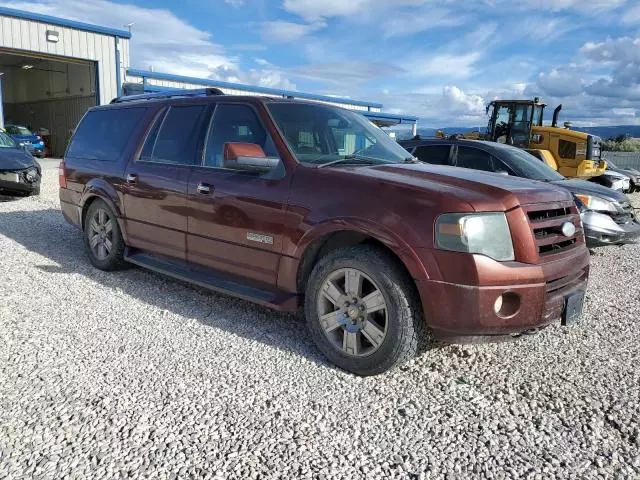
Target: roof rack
point(193, 92)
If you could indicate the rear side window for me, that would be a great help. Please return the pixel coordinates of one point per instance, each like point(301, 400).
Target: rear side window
point(474, 158)
point(176, 136)
point(103, 134)
point(434, 154)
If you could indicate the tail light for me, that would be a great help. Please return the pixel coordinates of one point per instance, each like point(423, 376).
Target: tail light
point(62, 179)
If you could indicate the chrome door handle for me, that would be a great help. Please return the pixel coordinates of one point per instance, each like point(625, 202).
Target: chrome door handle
point(204, 189)
point(132, 178)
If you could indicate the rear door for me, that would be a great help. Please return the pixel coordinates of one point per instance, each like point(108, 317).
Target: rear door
point(155, 200)
point(237, 218)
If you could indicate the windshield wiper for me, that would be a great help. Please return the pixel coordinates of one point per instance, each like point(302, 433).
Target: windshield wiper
point(362, 160)
point(355, 160)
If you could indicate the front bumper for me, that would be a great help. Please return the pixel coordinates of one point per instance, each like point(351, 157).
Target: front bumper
point(457, 312)
point(601, 230)
point(19, 185)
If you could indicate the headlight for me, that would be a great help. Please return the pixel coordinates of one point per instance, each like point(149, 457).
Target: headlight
point(484, 233)
point(31, 175)
point(595, 203)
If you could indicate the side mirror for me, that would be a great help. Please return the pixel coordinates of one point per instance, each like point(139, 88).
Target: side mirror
point(247, 156)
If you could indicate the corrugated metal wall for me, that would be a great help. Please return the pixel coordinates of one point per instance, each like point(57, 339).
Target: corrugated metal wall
point(30, 36)
point(624, 159)
point(59, 115)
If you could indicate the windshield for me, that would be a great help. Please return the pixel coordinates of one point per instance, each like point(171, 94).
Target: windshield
point(17, 130)
point(526, 165)
point(6, 141)
point(320, 134)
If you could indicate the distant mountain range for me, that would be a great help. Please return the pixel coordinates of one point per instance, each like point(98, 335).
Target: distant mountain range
point(603, 132)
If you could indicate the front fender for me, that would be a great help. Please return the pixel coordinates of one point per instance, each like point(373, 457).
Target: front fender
point(407, 255)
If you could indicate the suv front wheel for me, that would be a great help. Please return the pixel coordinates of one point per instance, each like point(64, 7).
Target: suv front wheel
point(362, 311)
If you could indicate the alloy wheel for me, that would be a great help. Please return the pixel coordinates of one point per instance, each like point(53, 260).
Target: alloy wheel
point(353, 312)
point(101, 234)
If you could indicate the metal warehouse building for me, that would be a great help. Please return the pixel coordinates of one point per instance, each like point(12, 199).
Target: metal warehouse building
point(52, 70)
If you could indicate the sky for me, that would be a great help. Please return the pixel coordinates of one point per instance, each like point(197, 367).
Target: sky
point(441, 61)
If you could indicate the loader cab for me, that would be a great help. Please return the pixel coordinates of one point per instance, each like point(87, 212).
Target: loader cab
point(511, 121)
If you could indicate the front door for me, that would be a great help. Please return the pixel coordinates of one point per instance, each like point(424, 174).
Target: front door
point(155, 199)
point(236, 218)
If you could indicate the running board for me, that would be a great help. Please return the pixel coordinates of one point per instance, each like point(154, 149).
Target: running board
point(219, 282)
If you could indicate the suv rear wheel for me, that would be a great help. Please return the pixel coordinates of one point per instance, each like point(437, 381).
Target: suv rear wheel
point(102, 238)
point(362, 310)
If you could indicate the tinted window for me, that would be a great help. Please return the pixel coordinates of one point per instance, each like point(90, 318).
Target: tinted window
point(103, 134)
point(473, 158)
point(238, 124)
point(176, 136)
point(435, 154)
point(525, 165)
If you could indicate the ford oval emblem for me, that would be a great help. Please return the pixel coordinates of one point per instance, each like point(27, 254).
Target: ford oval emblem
point(568, 229)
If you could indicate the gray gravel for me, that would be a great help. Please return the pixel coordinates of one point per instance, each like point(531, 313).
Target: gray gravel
point(131, 375)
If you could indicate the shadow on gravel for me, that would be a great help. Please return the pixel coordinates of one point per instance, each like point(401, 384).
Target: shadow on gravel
point(46, 233)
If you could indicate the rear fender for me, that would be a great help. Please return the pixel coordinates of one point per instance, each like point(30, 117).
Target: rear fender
point(98, 188)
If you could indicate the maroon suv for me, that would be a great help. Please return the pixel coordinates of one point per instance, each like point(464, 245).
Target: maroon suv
point(296, 204)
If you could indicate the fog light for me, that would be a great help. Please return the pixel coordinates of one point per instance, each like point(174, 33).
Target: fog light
point(507, 305)
point(497, 306)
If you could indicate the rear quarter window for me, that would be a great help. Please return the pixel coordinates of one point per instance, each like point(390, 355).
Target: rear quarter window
point(103, 134)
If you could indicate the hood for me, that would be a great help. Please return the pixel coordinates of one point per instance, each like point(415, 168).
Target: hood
point(591, 188)
point(615, 173)
point(483, 191)
point(15, 159)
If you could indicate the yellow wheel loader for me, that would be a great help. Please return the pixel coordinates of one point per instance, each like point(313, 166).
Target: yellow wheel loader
point(519, 123)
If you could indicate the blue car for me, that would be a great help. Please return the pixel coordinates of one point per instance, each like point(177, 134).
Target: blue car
point(23, 136)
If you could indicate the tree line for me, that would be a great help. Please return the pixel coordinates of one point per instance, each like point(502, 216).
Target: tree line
point(621, 143)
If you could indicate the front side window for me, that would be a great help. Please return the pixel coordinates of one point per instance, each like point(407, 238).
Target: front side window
point(434, 154)
point(473, 158)
point(526, 165)
point(319, 134)
point(103, 134)
point(234, 123)
point(175, 136)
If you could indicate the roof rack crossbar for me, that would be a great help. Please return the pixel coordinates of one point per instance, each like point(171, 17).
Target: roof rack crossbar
point(192, 92)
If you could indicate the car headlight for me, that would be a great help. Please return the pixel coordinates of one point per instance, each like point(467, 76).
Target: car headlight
point(591, 202)
point(484, 233)
point(31, 175)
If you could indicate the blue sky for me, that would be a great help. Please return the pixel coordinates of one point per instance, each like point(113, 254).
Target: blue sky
point(439, 60)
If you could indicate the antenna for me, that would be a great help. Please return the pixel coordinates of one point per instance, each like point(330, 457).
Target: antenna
point(129, 25)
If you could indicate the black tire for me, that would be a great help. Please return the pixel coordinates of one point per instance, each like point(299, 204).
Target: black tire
point(114, 259)
point(404, 322)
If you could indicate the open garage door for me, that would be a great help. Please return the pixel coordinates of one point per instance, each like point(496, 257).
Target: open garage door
point(46, 94)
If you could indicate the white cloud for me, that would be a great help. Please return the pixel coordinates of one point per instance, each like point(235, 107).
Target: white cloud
point(555, 5)
point(561, 82)
point(411, 21)
point(160, 39)
point(314, 9)
point(235, 3)
point(445, 65)
point(279, 31)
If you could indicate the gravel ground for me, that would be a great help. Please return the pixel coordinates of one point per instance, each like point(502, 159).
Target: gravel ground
point(131, 375)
